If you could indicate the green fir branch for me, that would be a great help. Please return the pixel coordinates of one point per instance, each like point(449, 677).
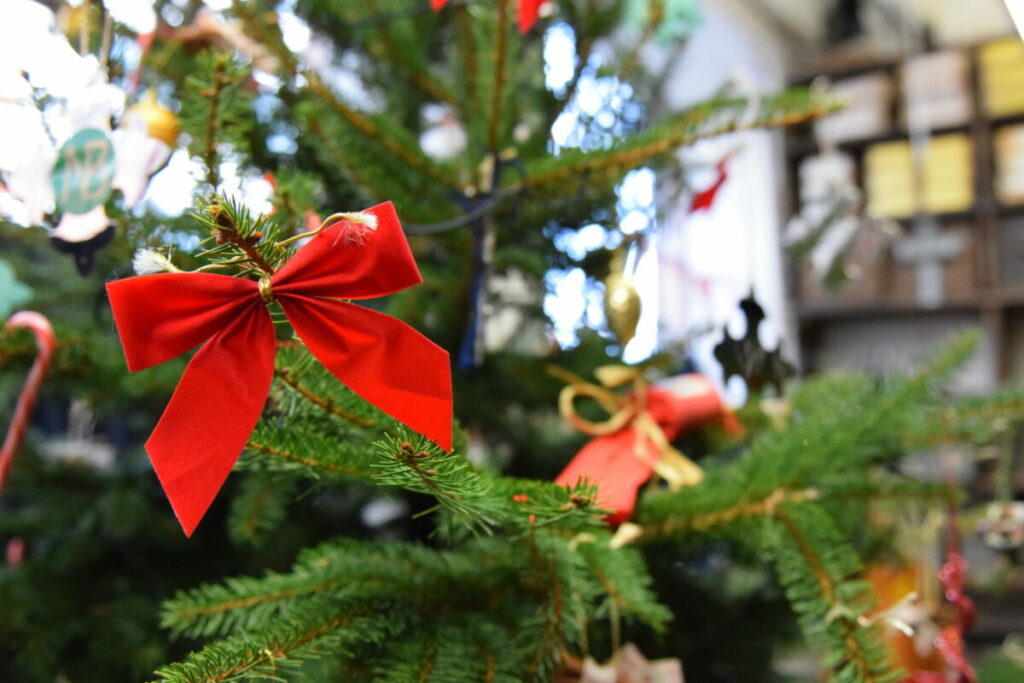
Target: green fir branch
point(562, 175)
point(816, 567)
point(269, 652)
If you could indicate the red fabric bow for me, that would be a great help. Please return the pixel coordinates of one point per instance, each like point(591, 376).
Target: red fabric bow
point(221, 394)
point(528, 11)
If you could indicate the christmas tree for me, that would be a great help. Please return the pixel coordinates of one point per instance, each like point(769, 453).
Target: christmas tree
point(365, 542)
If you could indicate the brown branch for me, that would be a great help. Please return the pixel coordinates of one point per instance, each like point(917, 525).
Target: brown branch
point(213, 123)
point(325, 404)
point(500, 43)
point(227, 231)
point(428, 665)
point(467, 47)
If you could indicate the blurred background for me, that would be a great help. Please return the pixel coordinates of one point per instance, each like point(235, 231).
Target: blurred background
point(866, 237)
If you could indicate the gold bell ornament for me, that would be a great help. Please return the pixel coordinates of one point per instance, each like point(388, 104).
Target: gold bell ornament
point(621, 300)
point(161, 123)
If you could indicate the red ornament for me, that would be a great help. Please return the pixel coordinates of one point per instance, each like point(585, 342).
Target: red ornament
point(634, 442)
point(46, 344)
point(221, 394)
point(706, 198)
point(529, 10)
point(950, 641)
point(952, 575)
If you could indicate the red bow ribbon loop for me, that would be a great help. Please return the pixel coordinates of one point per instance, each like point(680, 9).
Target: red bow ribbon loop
point(222, 392)
point(529, 10)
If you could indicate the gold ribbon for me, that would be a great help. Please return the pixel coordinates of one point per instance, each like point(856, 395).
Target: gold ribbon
point(626, 411)
point(266, 293)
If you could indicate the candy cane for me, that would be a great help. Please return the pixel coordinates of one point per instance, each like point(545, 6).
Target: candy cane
point(45, 343)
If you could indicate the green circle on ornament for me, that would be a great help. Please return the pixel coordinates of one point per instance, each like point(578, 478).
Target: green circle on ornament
point(84, 172)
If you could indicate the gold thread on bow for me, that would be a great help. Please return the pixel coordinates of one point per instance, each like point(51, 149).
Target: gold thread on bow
point(628, 411)
point(266, 293)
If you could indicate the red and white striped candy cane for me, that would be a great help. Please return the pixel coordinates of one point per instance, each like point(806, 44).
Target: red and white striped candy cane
point(45, 343)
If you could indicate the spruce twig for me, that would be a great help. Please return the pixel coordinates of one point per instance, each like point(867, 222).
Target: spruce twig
point(305, 461)
point(213, 95)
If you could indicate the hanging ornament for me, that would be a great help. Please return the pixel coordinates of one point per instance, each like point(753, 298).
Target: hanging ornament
point(746, 358)
point(960, 608)
point(628, 665)
point(833, 231)
point(222, 392)
point(80, 445)
point(67, 184)
point(83, 177)
point(621, 300)
point(1002, 528)
point(908, 614)
point(705, 199)
point(161, 123)
point(46, 344)
point(443, 137)
point(634, 441)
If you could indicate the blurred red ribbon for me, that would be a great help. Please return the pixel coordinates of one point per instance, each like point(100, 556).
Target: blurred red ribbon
point(635, 440)
point(222, 391)
point(529, 10)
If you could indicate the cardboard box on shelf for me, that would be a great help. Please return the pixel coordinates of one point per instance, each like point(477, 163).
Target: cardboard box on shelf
point(868, 112)
point(937, 90)
point(948, 174)
point(889, 180)
point(1008, 145)
point(1001, 70)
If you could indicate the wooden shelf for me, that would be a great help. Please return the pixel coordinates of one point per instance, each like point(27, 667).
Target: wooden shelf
point(878, 309)
point(806, 145)
point(993, 252)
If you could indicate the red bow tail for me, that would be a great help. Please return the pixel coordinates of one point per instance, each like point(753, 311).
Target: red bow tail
point(383, 360)
point(212, 413)
point(613, 465)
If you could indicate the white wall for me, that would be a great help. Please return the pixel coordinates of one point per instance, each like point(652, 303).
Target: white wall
point(709, 261)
